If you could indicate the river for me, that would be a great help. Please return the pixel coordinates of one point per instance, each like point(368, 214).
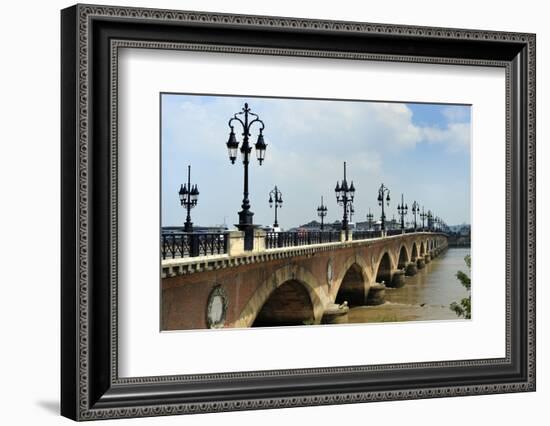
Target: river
point(425, 296)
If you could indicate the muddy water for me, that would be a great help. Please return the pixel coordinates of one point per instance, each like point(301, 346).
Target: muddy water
point(425, 296)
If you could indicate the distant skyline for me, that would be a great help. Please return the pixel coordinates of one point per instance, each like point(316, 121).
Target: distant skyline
point(420, 150)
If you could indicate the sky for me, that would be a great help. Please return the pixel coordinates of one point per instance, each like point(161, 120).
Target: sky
point(420, 150)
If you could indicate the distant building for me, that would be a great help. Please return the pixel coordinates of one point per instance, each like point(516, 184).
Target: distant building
point(204, 229)
point(460, 235)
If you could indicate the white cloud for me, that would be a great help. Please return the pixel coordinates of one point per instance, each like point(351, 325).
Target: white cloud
point(456, 136)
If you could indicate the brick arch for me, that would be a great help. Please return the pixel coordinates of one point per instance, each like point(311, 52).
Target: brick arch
point(343, 269)
point(403, 256)
point(358, 264)
point(288, 273)
point(422, 251)
point(388, 268)
point(414, 251)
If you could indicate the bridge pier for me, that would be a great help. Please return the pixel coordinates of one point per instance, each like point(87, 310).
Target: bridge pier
point(335, 314)
point(427, 258)
point(376, 295)
point(420, 263)
point(411, 269)
point(398, 279)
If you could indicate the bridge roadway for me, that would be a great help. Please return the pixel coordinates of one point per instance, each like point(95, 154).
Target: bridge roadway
point(288, 286)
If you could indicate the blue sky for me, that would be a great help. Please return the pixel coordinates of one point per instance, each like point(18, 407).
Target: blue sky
point(421, 150)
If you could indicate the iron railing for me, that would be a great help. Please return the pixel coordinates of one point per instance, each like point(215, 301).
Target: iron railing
point(182, 244)
point(366, 235)
point(296, 238)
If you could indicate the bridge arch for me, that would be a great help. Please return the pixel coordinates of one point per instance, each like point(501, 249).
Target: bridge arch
point(414, 252)
point(296, 282)
point(384, 269)
point(422, 250)
point(289, 304)
point(353, 287)
point(403, 258)
point(348, 273)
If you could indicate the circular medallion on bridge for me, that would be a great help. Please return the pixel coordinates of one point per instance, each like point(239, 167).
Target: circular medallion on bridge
point(217, 308)
point(329, 272)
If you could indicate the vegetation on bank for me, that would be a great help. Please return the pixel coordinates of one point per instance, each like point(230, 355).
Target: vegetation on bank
point(463, 309)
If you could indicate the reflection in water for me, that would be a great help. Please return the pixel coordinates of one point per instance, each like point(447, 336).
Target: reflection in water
point(425, 296)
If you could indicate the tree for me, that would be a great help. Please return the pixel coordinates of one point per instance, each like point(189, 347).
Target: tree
point(464, 308)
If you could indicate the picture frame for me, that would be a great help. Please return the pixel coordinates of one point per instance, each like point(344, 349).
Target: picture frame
point(90, 384)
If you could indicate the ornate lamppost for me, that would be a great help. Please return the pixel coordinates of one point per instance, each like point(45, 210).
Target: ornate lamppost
point(370, 218)
point(322, 212)
point(423, 216)
point(344, 196)
point(430, 220)
point(189, 196)
point(245, 215)
point(402, 211)
point(415, 210)
point(383, 191)
point(275, 198)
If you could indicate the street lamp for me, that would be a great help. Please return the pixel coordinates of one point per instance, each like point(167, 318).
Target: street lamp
point(430, 220)
point(189, 196)
point(245, 215)
point(344, 196)
point(383, 191)
point(402, 211)
point(423, 216)
point(370, 218)
point(415, 210)
point(275, 197)
point(322, 212)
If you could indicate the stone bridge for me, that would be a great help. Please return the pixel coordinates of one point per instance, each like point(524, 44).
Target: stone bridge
point(289, 286)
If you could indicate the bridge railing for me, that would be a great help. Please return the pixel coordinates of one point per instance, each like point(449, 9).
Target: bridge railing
point(295, 238)
point(366, 235)
point(184, 244)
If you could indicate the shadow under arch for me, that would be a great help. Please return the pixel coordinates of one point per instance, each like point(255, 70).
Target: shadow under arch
point(403, 258)
point(289, 304)
point(422, 251)
point(414, 252)
point(383, 271)
point(353, 287)
point(288, 273)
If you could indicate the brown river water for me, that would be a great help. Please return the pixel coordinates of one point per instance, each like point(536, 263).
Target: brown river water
point(425, 296)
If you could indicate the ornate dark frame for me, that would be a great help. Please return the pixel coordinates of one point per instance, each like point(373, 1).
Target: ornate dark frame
point(90, 386)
